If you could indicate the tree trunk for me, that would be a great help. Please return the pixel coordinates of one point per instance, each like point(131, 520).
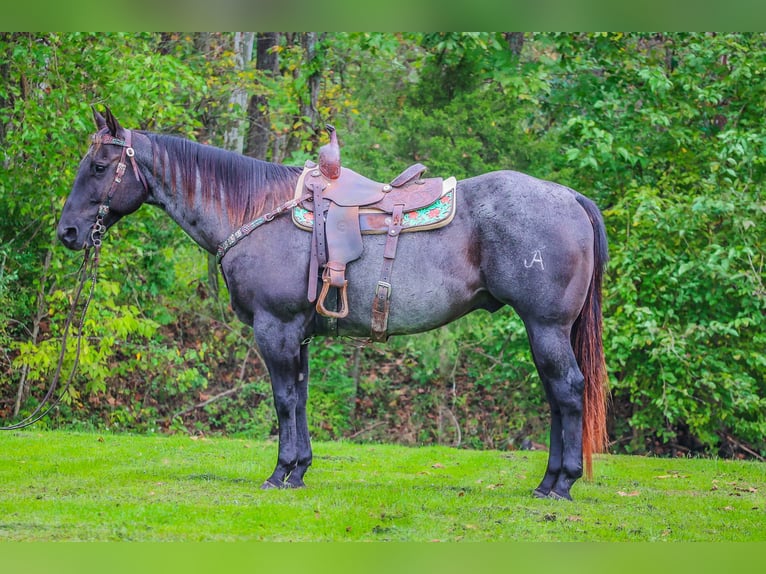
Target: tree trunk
point(267, 62)
point(515, 42)
point(309, 106)
point(234, 136)
point(5, 73)
point(308, 109)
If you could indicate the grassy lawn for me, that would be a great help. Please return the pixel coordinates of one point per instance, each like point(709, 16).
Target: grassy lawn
point(79, 486)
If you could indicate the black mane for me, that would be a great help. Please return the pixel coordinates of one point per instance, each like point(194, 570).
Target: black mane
point(241, 186)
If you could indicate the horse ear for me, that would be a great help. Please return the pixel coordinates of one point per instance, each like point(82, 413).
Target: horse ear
point(111, 121)
point(99, 119)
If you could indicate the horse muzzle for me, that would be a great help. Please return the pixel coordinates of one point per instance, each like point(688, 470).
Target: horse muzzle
point(72, 238)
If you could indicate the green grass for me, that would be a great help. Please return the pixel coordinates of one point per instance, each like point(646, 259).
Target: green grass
point(77, 486)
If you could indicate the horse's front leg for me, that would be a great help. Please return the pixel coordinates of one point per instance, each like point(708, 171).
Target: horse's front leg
point(287, 362)
point(304, 459)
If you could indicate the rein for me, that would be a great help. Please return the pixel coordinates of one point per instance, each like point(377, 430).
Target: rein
point(88, 272)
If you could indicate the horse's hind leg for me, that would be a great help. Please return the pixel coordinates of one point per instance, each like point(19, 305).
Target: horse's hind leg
point(563, 382)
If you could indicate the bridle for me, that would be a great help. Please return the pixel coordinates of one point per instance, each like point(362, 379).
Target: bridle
point(103, 138)
point(88, 271)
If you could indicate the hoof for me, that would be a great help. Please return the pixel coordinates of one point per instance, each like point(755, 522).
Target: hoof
point(269, 485)
point(289, 483)
point(553, 495)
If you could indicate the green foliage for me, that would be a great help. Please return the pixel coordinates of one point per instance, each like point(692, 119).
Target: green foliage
point(332, 391)
point(459, 112)
point(48, 83)
point(700, 288)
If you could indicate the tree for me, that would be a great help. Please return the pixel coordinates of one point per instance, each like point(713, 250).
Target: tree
point(267, 65)
point(242, 51)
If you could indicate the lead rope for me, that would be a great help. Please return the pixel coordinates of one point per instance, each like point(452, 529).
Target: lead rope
point(88, 271)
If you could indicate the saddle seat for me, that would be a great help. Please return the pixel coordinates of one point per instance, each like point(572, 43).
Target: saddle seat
point(343, 205)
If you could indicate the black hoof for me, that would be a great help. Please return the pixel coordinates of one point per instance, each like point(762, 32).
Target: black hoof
point(540, 493)
point(294, 483)
point(553, 495)
point(270, 484)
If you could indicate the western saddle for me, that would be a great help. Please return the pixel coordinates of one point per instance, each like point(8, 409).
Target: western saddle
point(341, 206)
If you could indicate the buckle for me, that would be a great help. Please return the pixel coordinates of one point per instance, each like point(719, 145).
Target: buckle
point(383, 285)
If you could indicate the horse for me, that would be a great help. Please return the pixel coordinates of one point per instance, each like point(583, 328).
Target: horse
point(516, 240)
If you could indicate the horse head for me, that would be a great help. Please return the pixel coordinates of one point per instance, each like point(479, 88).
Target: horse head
point(104, 189)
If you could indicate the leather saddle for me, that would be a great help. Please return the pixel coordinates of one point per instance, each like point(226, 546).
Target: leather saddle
point(345, 204)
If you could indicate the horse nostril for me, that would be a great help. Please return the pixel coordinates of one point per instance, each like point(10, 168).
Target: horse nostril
point(69, 237)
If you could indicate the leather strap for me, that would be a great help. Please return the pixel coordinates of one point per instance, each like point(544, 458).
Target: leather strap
point(381, 302)
point(318, 242)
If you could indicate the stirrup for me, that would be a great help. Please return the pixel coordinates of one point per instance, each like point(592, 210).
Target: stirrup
point(343, 291)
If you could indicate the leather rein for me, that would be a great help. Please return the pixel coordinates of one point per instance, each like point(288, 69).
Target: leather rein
point(88, 272)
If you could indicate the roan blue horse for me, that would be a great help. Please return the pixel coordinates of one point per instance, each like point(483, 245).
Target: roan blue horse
point(514, 240)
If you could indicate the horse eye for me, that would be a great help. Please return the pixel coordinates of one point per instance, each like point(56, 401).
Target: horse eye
point(98, 168)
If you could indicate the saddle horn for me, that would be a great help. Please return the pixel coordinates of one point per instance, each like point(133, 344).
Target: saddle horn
point(329, 155)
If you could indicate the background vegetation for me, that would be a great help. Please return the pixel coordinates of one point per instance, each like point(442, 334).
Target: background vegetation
point(664, 131)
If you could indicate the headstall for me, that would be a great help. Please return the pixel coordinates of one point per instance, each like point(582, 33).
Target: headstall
point(102, 138)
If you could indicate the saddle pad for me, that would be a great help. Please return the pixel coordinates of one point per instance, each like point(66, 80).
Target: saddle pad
point(372, 221)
